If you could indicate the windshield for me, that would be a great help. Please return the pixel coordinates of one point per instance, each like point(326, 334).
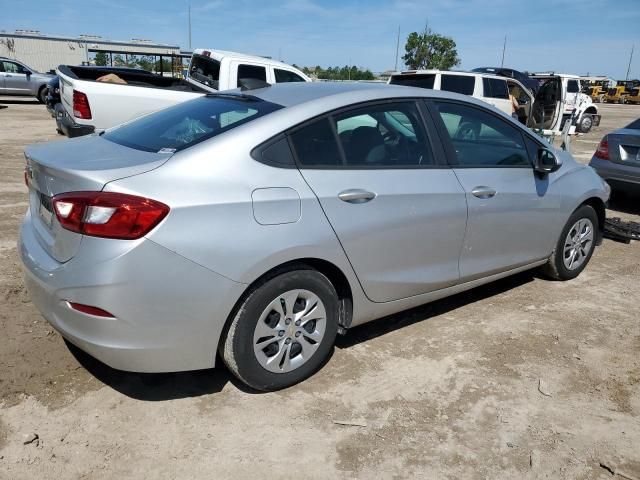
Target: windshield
point(421, 81)
point(189, 123)
point(205, 70)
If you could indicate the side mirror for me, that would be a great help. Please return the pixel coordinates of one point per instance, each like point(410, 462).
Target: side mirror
point(546, 162)
point(27, 73)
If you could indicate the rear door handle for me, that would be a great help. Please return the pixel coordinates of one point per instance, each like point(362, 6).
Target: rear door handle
point(483, 192)
point(356, 196)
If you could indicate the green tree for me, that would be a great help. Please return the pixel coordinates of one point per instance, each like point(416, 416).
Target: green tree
point(430, 50)
point(101, 59)
point(146, 63)
point(118, 61)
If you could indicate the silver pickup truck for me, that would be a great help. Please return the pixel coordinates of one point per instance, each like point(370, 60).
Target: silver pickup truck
point(18, 79)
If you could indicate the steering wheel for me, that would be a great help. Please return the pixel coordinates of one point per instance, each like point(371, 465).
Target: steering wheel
point(467, 131)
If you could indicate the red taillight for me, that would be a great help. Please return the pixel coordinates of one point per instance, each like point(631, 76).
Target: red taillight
point(603, 149)
point(98, 312)
point(108, 214)
point(81, 108)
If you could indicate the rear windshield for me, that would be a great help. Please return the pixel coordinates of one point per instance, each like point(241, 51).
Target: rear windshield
point(205, 70)
point(186, 124)
point(422, 81)
point(635, 125)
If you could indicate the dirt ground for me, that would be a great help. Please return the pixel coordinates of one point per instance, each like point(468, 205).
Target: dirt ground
point(523, 378)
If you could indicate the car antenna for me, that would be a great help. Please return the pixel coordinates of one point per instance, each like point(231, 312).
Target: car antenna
point(252, 84)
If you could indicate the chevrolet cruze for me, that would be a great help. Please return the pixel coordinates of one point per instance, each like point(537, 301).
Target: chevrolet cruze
point(256, 225)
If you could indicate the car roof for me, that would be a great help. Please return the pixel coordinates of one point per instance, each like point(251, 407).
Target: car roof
point(220, 54)
point(448, 72)
point(347, 93)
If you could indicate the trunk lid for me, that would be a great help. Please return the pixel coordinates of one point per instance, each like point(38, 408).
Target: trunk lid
point(624, 147)
point(81, 164)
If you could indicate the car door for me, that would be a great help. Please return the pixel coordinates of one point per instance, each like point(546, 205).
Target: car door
point(509, 207)
point(15, 78)
point(395, 206)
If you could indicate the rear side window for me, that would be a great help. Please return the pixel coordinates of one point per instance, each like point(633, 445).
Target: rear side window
point(495, 88)
point(635, 125)
point(572, 86)
point(252, 71)
point(285, 76)
point(189, 123)
point(458, 83)
point(481, 139)
point(420, 81)
point(315, 145)
point(205, 70)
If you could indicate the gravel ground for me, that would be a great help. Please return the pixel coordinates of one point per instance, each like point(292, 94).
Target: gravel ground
point(523, 378)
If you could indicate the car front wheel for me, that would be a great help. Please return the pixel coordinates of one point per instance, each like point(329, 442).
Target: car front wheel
point(283, 331)
point(575, 245)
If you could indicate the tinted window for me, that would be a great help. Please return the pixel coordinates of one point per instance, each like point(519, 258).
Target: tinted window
point(383, 136)
point(495, 88)
point(285, 76)
point(421, 81)
point(457, 83)
point(189, 123)
point(572, 86)
point(315, 145)
point(205, 70)
point(276, 153)
point(252, 71)
point(482, 139)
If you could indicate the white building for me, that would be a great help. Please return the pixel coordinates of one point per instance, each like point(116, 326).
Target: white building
point(44, 52)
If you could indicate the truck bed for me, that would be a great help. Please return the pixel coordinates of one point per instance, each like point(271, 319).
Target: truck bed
point(137, 78)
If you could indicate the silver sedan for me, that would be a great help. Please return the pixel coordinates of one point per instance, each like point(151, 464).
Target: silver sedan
point(261, 223)
point(617, 158)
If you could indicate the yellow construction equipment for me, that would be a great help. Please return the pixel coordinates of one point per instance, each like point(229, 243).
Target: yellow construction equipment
point(617, 94)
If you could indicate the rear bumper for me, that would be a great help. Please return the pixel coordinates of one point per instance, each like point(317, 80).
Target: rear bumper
point(70, 128)
point(169, 312)
point(616, 173)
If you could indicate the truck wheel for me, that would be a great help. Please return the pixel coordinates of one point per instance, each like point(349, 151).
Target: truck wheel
point(585, 124)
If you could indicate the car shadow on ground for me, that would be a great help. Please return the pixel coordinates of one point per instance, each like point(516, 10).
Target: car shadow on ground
point(385, 325)
point(624, 202)
point(155, 387)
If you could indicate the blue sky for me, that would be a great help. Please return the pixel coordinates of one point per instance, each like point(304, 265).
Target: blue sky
point(573, 36)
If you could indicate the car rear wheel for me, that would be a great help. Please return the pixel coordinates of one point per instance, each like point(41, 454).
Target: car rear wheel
point(283, 331)
point(575, 245)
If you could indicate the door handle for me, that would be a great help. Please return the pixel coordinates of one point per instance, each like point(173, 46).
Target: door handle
point(483, 192)
point(356, 196)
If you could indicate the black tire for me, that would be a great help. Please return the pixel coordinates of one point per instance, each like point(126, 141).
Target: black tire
point(237, 348)
point(586, 122)
point(42, 94)
point(555, 267)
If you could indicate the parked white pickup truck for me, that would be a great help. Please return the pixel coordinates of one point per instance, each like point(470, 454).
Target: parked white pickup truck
point(91, 105)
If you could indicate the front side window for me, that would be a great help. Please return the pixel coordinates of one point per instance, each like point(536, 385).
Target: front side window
point(377, 136)
point(458, 83)
point(11, 67)
point(251, 71)
point(285, 76)
point(495, 88)
point(481, 139)
point(572, 86)
point(189, 123)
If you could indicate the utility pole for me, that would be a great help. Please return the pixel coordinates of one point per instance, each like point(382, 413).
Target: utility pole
point(629, 67)
point(397, 48)
point(189, 27)
point(504, 47)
